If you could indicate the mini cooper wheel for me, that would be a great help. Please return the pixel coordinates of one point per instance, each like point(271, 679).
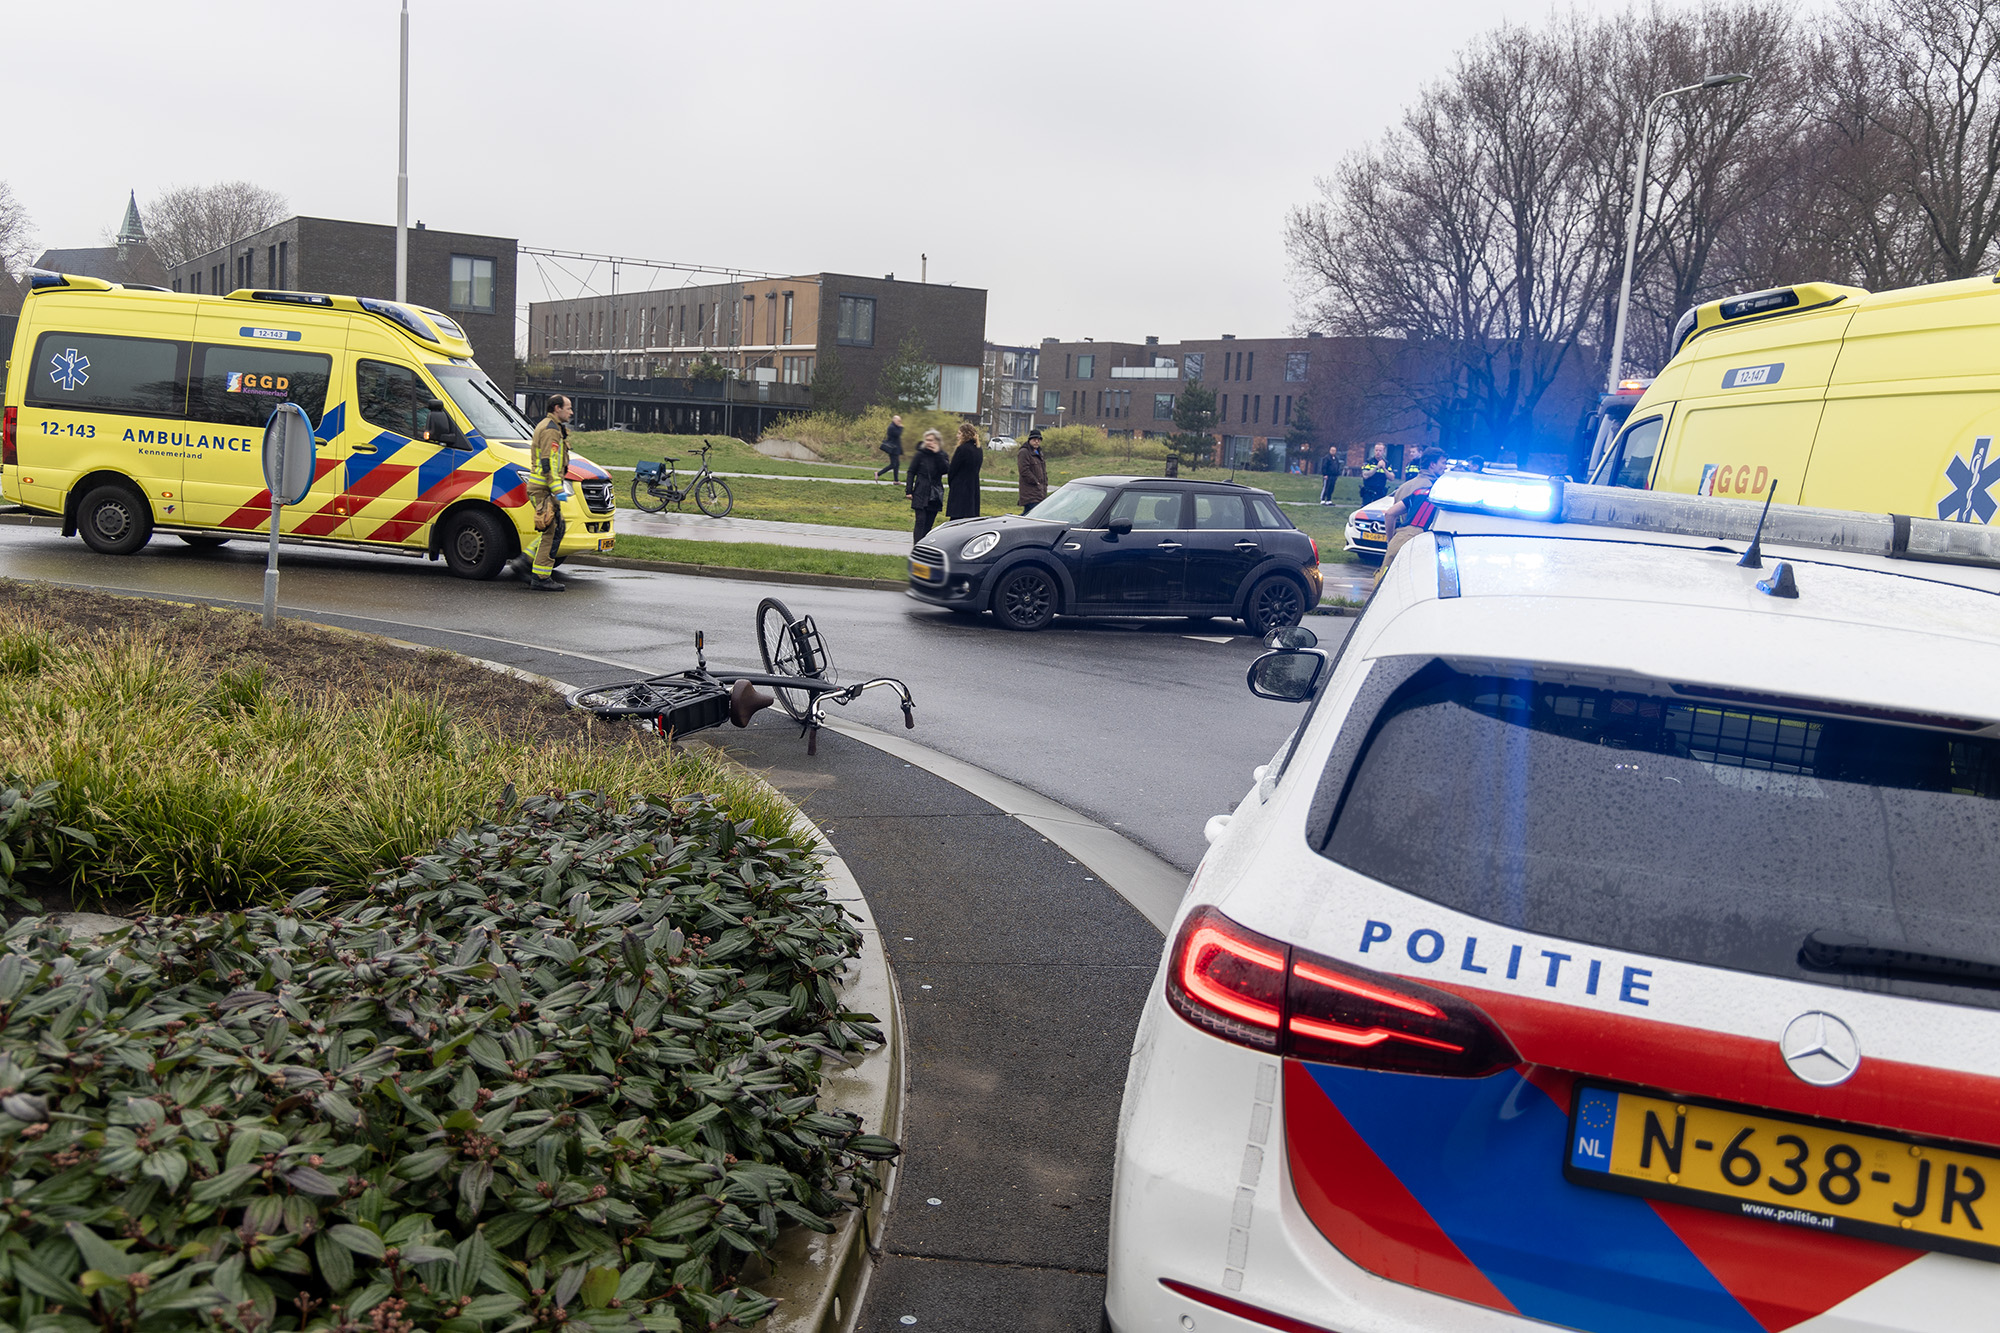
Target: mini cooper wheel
point(475, 544)
point(1274, 603)
point(1026, 598)
point(114, 519)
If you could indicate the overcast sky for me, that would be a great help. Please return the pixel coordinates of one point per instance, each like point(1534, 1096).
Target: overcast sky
point(1104, 170)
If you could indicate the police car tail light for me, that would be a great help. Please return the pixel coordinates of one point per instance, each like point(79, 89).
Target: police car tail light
point(1228, 980)
point(1345, 1015)
point(1489, 493)
point(1256, 991)
point(7, 449)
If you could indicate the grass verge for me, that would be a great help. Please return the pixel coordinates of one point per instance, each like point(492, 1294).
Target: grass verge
point(764, 555)
point(216, 764)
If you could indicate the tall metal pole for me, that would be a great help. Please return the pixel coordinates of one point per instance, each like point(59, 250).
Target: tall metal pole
point(403, 168)
point(1617, 366)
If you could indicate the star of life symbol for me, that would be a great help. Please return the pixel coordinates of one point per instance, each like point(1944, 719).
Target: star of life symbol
point(1969, 501)
point(1820, 1049)
point(66, 369)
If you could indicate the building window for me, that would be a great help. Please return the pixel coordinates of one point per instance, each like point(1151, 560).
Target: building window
point(1191, 365)
point(788, 317)
point(1250, 371)
point(1163, 407)
point(472, 284)
point(271, 267)
point(284, 261)
point(1068, 370)
point(1288, 409)
point(1086, 367)
point(1257, 407)
point(1050, 398)
point(856, 327)
point(1295, 367)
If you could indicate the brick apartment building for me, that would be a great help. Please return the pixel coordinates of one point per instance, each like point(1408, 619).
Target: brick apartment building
point(776, 330)
point(1259, 386)
point(469, 277)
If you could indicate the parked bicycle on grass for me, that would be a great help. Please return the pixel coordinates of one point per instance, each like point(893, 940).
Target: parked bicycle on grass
point(654, 487)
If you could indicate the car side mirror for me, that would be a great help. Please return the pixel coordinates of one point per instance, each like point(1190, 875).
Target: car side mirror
point(1291, 636)
point(1120, 527)
point(1289, 675)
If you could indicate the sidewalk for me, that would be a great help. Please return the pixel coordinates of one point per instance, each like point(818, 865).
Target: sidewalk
point(820, 536)
point(837, 481)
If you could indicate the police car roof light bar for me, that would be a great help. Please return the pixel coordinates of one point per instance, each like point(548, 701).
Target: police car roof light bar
point(1511, 496)
point(1893, 536)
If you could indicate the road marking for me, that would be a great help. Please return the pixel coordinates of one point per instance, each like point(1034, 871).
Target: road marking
point(1211, 638)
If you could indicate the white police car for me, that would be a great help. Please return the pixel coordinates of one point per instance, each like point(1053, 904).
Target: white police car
point(1616, 946)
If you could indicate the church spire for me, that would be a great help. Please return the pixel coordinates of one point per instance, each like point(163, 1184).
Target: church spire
point(132, 233)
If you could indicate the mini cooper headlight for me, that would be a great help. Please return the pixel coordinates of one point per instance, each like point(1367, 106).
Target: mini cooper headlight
point(981, 545)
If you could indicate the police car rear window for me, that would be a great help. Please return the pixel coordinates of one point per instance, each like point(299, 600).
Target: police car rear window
point(1707, 830)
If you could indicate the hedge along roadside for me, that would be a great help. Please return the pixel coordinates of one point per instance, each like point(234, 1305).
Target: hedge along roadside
point(819, 1281)
point(334, 1078)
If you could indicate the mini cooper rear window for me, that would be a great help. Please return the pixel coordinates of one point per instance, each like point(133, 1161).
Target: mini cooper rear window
point(1695, 828)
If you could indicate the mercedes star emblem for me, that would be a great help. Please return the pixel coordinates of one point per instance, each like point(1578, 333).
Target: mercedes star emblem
point(1820, 1049)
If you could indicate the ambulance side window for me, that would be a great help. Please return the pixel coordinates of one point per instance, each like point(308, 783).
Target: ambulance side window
point(96, 372)
point(239, 386)
point(1636, 451)
point(392, 397)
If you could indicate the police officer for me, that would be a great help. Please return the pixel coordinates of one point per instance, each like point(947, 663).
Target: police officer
point(548, 465)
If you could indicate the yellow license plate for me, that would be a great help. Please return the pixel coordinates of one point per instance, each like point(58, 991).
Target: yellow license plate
point(1803, 1173)
point(919, 570)
point(604, 543)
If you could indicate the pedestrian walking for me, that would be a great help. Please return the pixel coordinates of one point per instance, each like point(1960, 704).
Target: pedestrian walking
point(548, 468)
point(1375, 477)
point(1033, 471)
point(1411, 512)
point(926, 484)
point(1329, 470)
point(963, 473)
point(892, 445)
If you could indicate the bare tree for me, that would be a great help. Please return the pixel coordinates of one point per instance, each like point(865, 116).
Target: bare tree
point(1467, 246)
point(17, 234)
point(189, 221)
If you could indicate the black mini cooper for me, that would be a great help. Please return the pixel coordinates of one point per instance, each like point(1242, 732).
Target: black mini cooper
point(1125, 546)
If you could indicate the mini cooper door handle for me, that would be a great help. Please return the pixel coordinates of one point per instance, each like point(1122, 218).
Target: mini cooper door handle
point(1170, 546)
point(1248, 546)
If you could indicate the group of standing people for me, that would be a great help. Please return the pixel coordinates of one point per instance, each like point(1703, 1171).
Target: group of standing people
point(952, 485)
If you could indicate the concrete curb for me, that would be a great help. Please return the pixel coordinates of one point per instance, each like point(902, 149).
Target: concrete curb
point(732, 572)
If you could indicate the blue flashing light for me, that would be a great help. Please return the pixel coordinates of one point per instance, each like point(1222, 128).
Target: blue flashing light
point(39, 280)
point(1499, 493)
point(401, 315)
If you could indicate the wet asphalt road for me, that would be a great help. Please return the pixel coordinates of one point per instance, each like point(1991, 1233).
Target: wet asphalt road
point(1134, 723)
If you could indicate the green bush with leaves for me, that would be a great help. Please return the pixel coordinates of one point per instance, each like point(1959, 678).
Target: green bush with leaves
point(558, 1074)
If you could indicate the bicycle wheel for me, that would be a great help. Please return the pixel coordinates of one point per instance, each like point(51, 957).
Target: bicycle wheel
point(712, 494)
point(628, 698)
point(784, 654)
point(645, 498)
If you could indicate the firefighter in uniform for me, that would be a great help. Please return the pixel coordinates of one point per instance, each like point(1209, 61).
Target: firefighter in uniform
point(548, 465)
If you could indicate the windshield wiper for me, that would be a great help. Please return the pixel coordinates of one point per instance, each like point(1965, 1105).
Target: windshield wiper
point(1838, 951)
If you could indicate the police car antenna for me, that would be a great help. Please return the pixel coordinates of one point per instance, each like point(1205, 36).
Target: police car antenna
point(1753, 558)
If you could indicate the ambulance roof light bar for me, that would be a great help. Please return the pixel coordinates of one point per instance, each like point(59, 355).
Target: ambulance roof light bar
point(1891, 536)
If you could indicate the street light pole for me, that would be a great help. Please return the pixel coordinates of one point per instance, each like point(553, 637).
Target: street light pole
point(403, 168)
point(1638, 205)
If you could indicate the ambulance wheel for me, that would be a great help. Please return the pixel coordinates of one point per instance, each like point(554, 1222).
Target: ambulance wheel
point(114, 519)
point(204, 541)
point(475, 544)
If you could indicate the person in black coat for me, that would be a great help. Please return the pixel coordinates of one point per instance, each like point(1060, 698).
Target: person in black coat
point(892, 445)
point(925, 486)
point(964, 474)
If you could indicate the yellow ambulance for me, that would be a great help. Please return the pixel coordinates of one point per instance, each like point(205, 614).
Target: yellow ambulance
point(131, 410)
point(1828, 396)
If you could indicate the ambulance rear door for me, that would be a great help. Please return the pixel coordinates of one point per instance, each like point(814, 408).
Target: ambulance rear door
point(106, 388)
point(1913, 412)
point(247, 360)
